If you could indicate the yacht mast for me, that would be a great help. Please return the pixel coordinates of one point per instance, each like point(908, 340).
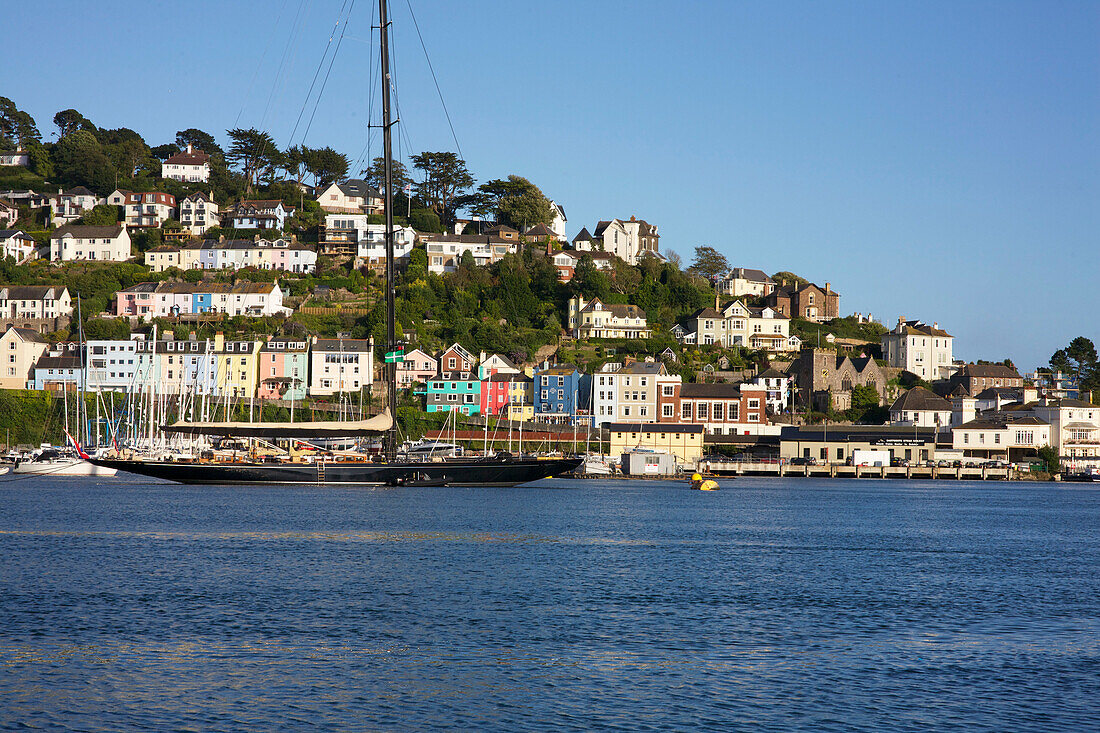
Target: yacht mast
point(390, 366)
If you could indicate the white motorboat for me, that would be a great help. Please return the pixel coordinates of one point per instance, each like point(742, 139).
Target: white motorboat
point(55, 463)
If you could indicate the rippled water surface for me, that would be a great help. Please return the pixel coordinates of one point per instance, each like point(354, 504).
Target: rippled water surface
point(774, 604)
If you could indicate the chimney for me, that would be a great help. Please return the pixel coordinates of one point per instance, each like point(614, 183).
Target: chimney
point(935, 324)
point(827, 288)
point(188, 147)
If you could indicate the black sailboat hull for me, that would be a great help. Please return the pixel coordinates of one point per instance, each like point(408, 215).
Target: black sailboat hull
point(487, 472)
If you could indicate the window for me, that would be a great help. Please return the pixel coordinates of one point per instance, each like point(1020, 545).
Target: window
point(718, 411)
point(701, 411)
point(685, 411)
point(754, 404)
point(668, 390)
point(666, 411)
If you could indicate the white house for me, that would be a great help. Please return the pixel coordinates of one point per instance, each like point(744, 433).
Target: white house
point(921, 408)
point(17, 244)
point(42, 308)
point(340, 365)
point(9, 213)
point(445, 251)
point(70, 205)
point(777, 388)
point(146, 209)
point(199, 212)
point(626, 239)
point(191, 165)
point(737, 324)
point(923, 350)
point(72, 242)
point(17, 157)
point(1004, 436)
point(597, 319)
point(559, 220)
point(354, 196)
point(259, 214)
point(1074, 428)
point(740, 282)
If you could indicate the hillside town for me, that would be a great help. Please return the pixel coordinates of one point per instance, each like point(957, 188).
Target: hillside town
point(224, 274)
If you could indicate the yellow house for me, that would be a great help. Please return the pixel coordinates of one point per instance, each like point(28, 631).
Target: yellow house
point(683, 441)
point(521, 399)
point(237, 366)
point(20, 348)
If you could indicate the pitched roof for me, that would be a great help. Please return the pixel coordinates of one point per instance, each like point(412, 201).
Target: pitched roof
point(583, 235)
point(88, 232)
point(643, 367)
point(771, 373)
point(28, 334)
point(723, 390)
point(358, 188)
point(920, 328)
point(540, 230)
point(342, 345)
point(30, 292)
point(751, 275)
point(7, 233)
point(996, 371)
point(1000, 420)
point(195, 157)
point(920, 399)
point(78, 191)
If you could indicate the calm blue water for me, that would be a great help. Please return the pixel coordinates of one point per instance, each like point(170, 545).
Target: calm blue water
point(775, 604)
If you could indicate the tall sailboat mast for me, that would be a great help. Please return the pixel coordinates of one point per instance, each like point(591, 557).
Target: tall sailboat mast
point(390, 365)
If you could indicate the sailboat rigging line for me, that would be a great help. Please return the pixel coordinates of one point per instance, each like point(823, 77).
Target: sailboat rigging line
point(324, 82)
point(260, 63)
point(434, 79)
point(280, 78)
point(317, 73)
point(390, 446)
point(364, 160)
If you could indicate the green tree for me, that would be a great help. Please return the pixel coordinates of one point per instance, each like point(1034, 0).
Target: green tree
point(40, 160)
point(69, 121)
point(163, 152)
point(1050, 459)
point(80, 161)
point(200, 140)
point(588, 280)
point(326, 165)
point(445, 179)
point(790, 278)
point(254, 152)
point(16, 127)
point(375, 175)
point(102, 215)
point(709, 263)
point(425, 220)
point(514, 201)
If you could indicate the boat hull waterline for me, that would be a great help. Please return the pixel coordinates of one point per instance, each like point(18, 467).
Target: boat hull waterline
point(450, 473)
point(63, 468)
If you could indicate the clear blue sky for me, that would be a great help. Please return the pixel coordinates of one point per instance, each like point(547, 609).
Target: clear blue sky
point(934, 160)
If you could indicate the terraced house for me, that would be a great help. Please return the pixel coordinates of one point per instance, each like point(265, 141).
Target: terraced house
point(42, 308)
point(173, 299)
point(340, 365)
point(286, 255)
point(284, 369)
point(456, 386)
point(562, 395)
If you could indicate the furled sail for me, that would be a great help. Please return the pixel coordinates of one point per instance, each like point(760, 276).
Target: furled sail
point(300, 430)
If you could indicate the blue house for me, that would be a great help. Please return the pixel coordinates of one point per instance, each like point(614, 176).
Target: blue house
point(562, 395)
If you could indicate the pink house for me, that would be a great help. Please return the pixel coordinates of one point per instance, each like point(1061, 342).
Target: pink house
point(284, 365)
point(418, 366)
point(140, 300)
